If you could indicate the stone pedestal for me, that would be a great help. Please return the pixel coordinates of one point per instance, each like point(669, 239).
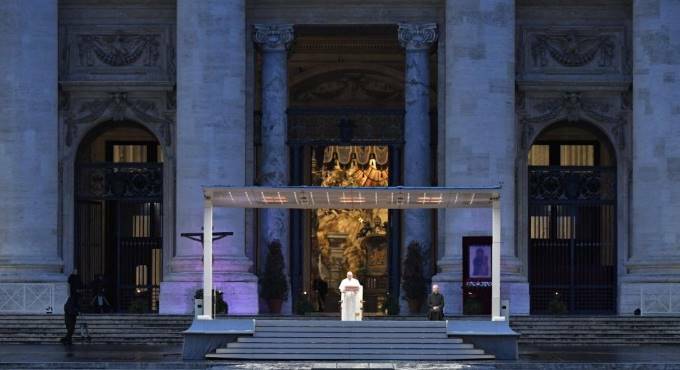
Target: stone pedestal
point(31, 276)
point(211, 144)
point(654, 262)
point(273, 41)
point(479, 134)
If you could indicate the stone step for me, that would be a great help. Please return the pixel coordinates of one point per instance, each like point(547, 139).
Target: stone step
point(313, 329)
point(346, 357)
point(348, 335)
point(598, 331)
point(365, 323)
point(341, 341)
point(315, 345)
point(353, 351)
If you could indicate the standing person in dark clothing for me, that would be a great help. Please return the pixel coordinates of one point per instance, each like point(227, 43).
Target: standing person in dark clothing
point(321, 288)
point(435, 304)
point(71, 307)
point(74, 284)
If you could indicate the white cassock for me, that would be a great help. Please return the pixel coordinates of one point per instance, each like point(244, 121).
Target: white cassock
point(352, 306)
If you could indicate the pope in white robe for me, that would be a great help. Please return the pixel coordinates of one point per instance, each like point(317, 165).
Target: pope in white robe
point(351, 293)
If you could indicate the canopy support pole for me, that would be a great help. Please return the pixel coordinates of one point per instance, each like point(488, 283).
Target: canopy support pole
point(207, 260)
point(496, 260)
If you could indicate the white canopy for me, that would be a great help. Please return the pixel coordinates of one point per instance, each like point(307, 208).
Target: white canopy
point(311, 197)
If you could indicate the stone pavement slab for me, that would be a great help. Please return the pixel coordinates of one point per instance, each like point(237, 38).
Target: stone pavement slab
point(147, 357)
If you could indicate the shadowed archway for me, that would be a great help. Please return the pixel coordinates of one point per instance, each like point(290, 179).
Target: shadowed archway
point(572, 221)
point(118, 218)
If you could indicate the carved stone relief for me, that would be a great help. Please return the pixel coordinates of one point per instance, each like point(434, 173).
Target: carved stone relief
point(560, 51)
point(537, 110)
point(116, 106)
point(119, 49)
point(91, 53)
point(349, 88)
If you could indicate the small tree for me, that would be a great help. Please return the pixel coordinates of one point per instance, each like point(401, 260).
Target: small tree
point(273, 283)
point(413, 281)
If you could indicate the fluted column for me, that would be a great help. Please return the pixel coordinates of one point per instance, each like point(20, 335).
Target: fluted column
point(211, 146)
point(417, 40)
point(273, 41)
point(31, 277)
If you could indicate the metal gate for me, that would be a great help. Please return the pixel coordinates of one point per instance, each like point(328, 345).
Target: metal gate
point(118, 249)
point(572, 239)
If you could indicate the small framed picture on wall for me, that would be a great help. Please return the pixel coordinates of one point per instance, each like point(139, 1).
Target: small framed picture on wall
point(479, 261)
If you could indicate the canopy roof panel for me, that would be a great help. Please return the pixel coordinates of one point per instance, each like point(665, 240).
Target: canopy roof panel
point(311, 197)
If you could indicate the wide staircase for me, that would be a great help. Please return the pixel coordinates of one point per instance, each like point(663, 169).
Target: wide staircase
point(103, 329)
point(349, 340)
point(596, 330)
point(162, 329)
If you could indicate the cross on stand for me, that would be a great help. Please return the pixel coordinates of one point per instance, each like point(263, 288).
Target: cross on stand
point(198, 237)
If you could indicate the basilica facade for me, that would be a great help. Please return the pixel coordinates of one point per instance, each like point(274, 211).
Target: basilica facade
point(114, 114)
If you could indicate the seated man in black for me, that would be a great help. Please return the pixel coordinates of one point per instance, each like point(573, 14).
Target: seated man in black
point(435, 304)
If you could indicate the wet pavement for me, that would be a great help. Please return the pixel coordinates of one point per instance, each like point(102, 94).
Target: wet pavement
point(88, 356)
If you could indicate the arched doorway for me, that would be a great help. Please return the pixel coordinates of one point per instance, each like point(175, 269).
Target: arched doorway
point(345, 128)
point(572, 221)
point(118, 217)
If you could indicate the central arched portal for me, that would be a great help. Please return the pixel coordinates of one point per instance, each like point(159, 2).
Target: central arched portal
point(118, 218)
point(328, 242)
point(572, 221)
point(345, 128)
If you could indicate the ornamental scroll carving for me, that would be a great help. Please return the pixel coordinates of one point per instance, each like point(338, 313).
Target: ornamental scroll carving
point(119, 52)
point(119, 49)
point(349, 88)
point(118, 107)
point(593, 51)
point(572, 50)
point(413, 36)
point(273, 36)
point(538, 111)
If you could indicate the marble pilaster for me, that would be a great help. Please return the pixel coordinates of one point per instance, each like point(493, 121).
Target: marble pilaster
point(273, 41)
point(417, 40)
point(31, 267)
point(653, 262)
point(211, 133)
point(479, 137)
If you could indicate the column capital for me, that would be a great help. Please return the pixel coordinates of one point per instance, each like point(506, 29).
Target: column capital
point(273, 36)
point(417, 36)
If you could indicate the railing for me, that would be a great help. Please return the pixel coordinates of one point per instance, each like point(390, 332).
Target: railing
point(572, 184)
point(27, 298)
point(111, 181)
point(660, 299)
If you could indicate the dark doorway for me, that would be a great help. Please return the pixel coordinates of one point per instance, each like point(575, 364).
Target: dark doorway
point(118, 221)
point(572, 222)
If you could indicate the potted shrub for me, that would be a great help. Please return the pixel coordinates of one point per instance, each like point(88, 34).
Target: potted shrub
point(413, 281)
point(273, 282)
point(219, 303)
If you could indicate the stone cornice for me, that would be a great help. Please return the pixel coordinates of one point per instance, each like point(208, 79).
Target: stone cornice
point(417, 36)
point(273, 36)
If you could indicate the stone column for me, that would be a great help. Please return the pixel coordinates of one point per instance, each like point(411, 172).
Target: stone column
point(480, 137)
point(31, 276)
point(211, 131)
point(274, 41)
point(417, 40)
point(652, 261)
